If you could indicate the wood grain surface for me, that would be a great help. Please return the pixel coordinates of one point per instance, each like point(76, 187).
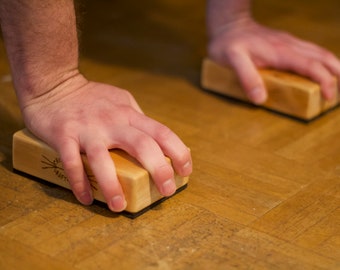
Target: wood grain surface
point(265, 191)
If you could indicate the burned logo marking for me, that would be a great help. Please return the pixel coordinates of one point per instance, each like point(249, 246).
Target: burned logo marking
point(58, 170)
point(55, 165)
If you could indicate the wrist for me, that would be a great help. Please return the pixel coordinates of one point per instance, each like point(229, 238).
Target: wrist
point(29, 87)
point(235, 24)
point(227, 15)
point(34, 106)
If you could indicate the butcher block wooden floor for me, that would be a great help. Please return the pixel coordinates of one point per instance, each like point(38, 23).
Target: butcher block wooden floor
point(265, 191)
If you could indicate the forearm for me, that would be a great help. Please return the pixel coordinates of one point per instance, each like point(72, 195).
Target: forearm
point(222, 13)
point(41, 43)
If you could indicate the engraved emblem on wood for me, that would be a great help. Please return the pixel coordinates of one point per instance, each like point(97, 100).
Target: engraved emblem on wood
point(54, 165)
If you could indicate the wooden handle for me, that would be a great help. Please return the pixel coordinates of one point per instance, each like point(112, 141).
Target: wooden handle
point(287, 93)
point(34, 157)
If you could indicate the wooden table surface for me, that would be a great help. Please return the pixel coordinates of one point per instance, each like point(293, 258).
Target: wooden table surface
point(265, 191)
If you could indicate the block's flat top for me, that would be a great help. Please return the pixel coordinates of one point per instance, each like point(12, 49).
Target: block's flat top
point(265, 189)
point(130, 169)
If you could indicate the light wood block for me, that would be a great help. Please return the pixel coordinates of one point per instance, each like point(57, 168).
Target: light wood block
point(34, 157)
point(287, 93)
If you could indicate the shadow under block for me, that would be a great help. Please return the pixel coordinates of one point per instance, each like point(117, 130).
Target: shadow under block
point(34, 157)
point(287, 93)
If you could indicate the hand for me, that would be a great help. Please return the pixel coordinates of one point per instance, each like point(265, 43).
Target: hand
point(245, 46)
point(89, 117)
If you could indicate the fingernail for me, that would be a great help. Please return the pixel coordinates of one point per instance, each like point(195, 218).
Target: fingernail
point(168, 188)
point(186, 168)
point(86, 198)
point(187, 165)
point(118, 203)
point(258, 95)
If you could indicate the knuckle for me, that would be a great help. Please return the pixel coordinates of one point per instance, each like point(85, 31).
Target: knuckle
point(330, 60)
point(143, 142)
point(329, 83)
point(284, 35)
point(328, 56)
point(93, 150)
point(125, 96)
point(309, 67)
point(163, 172)
point(233, 51)
point(128, 94)
point(63, 129)
point(228, 53)
point(77, 186)
point(163, 133)
point(70, 166)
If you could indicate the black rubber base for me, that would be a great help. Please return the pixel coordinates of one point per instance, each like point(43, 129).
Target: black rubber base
point(141, 212)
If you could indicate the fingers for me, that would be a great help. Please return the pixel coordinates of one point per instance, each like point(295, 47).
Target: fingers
point(245, 51)
point(317, 53)
point(307, 60)
point(170, 144)
point(104, 170)
point(249, 77)
point(319, 65)
point(146, 150)
point(310, 60)
point(102, 167)
point(145, 139)
point(317, 72)
point(149, 142)
point(73, 168)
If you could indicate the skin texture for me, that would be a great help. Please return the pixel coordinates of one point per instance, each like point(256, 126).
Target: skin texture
point(236, 40)
point(74, 115)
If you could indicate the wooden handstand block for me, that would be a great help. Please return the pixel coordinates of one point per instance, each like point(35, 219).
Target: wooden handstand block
point(34, 157)
point(287, 93)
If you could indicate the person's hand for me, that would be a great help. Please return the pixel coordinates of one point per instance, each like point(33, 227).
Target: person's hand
point(245, 45)
point(89, 117)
